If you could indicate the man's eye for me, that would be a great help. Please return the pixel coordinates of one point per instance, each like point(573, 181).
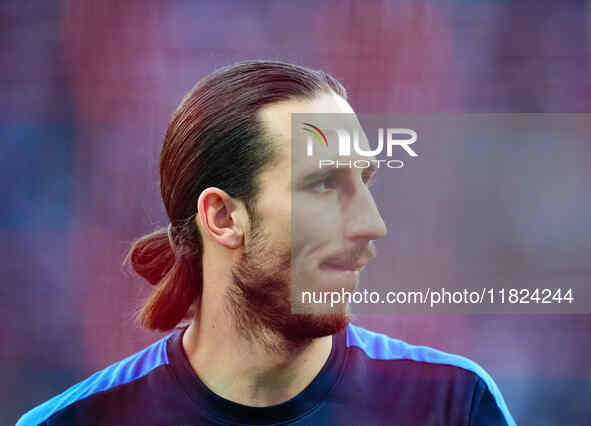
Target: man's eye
point(324, 185)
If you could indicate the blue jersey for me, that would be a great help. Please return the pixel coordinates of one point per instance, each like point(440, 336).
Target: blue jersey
point(368, 379)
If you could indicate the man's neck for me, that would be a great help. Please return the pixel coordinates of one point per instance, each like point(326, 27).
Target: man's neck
point(244, 370)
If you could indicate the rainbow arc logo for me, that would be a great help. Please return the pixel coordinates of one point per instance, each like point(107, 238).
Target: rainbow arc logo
point(316, 132)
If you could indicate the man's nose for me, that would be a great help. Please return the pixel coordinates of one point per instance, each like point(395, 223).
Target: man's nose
point(365, 221)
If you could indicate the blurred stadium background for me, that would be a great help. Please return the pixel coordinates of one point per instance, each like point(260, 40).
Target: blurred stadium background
point(87, 92)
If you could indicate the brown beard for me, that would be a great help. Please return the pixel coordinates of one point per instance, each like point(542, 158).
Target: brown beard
point(259, 300)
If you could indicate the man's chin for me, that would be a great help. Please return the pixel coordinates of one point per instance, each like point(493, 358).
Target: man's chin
point(303, 327)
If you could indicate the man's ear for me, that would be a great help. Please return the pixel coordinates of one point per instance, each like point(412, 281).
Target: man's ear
point(219, 216)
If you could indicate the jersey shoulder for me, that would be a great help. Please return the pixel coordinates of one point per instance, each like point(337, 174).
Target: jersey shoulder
point(377, 346)
point(120, 373)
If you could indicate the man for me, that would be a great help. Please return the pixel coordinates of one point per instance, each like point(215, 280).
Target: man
point(230, 178)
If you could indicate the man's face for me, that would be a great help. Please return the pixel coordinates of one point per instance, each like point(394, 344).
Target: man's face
point(314, 231)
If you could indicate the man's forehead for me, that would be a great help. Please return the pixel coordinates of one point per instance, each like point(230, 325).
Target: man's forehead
point(276, 117)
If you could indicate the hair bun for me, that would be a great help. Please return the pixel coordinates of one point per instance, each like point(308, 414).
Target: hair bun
point(151, 256)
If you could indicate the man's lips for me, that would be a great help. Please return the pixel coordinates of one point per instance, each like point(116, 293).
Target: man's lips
point(352, 260)
point(346, 267)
